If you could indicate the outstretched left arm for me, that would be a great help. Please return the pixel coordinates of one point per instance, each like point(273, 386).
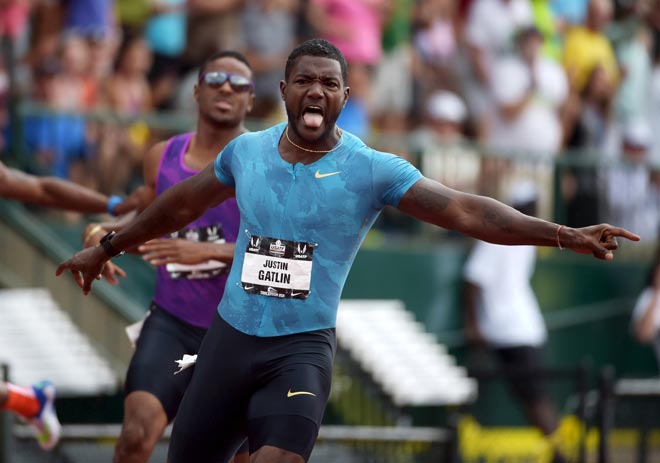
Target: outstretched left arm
point(490, 220)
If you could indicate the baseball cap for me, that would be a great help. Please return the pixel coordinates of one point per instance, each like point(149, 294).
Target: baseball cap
point(637, 133)
point(447, 106)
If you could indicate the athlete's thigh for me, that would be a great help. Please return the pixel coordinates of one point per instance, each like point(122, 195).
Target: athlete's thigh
point(210, 425)
point(162, 341)
point(299, 389)
point(287, 412)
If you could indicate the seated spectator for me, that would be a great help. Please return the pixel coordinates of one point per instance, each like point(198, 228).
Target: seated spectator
point(95, 22)
point(529, 91)
point(634, 56)
point(355, 27)
point(445, 155)
point(569, 12)
point(77, 87)
point(645, 322)
point(89, 18)
point(126, 93)
point(627, 185)
point(589, 128)
point(435, 48)
point(165, 31)
point(586, 46)
point(269, 34)
point(54, 138)
point(213, 25)
point(391, 100)
point(489, 35)
point(550, 27)
point(355, 117)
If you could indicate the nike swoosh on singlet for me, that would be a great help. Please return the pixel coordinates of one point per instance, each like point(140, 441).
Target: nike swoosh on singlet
point(320, 175)
point(291, 394)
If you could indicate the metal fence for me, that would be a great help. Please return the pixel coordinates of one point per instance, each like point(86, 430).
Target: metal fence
point(93, 443)
point(576, 188)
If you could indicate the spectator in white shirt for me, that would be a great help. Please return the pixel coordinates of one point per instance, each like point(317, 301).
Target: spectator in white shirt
point(489, 35)
point(630, 196)
point(529, 91)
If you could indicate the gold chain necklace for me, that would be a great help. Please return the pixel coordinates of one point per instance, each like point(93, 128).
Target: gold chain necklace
point(341, 140)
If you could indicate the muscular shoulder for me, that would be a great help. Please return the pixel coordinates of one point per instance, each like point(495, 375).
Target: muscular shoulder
point(151, 163)
point(250, 145)
point(253, 140)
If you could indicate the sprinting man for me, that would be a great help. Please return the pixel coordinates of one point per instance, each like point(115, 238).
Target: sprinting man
point(192, 263)
point(307, 193)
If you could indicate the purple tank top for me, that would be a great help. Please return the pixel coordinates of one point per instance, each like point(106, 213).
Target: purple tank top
point(192, 293)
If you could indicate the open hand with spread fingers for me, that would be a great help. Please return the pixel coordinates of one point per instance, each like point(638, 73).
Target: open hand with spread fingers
point(85, 266)
point(599, 240)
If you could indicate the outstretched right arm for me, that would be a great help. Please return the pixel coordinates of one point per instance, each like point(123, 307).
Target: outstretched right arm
point(171, 211)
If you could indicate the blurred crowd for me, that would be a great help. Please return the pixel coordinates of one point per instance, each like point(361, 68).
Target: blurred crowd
point(535, 77)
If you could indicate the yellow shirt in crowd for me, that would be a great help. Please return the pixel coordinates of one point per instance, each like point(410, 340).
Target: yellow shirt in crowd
point(584, 49)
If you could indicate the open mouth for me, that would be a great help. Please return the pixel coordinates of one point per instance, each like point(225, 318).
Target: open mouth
point(312, 117)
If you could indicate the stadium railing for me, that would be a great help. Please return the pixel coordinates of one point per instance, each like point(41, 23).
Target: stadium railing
point(628, 421)
point(538, 448)
point(570, 182)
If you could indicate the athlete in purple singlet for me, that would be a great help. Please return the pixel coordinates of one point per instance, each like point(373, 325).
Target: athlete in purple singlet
point(204, 283)
point(192, 263)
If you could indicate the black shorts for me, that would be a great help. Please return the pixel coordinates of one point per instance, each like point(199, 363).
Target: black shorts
point(271, 390)
point(163, 340)
point(522, 366)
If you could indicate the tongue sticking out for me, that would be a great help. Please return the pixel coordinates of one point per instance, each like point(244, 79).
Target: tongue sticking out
point(313, 120)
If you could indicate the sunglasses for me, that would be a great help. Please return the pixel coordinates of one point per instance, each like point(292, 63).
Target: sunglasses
point(217, 79)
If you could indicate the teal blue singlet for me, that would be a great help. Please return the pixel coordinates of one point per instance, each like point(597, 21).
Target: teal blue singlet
point(301, 227)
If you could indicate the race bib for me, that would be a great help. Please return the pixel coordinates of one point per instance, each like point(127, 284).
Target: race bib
point(204, 270)
point(277, 268)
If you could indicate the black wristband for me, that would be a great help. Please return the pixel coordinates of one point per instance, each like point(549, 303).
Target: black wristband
point(109, 249)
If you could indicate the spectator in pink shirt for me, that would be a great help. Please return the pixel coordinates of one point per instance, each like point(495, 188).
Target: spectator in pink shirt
point(355, 27)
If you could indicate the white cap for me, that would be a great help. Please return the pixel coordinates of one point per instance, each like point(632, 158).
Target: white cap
point(447, 106)
point(638, 133)
point(522, 192)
